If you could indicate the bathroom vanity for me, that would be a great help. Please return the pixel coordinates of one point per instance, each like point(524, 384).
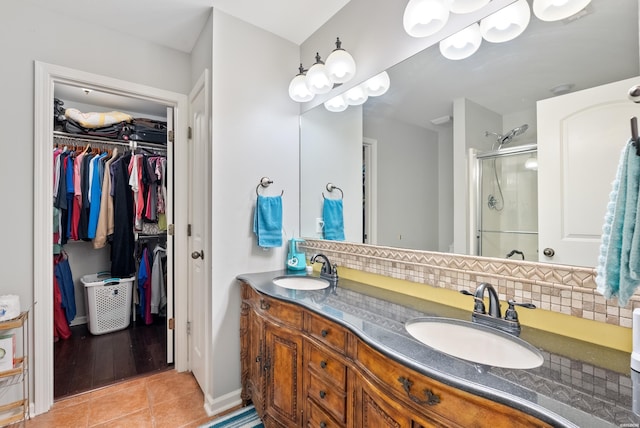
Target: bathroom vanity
point(342, 358)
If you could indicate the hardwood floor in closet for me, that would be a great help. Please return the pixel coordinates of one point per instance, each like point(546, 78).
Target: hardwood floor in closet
point(85, 362)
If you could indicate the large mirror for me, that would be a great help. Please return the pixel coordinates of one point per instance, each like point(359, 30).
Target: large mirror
point(405, 182)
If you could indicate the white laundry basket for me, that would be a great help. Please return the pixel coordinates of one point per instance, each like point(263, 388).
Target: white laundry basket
point(108, 302)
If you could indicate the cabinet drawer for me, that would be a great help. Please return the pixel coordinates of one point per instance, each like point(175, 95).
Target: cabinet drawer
point(279, 311)
point(326, 332)
point(328, 397)
point(435, 401)
point(318, 418)
point(326, 366)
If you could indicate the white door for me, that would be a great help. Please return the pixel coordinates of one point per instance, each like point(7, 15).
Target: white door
point(199, 209)
point(580, 138)
point(170, 247)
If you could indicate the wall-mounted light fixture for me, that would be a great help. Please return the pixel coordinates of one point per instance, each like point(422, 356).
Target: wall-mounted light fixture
point(358, 95)
point(340, 65)
point(426, 17)
point(317, 79)
point(321, 77)
point(298, 90)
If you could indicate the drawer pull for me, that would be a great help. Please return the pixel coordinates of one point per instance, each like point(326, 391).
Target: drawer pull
point(264, 305)
point(323, 364)
point(432, 399)
point(323, 394)
point(324, 333)
point(323, 425)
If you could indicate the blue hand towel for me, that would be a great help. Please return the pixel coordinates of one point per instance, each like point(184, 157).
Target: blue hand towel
point(267, 221)
point(618, 270)
point(333, 219)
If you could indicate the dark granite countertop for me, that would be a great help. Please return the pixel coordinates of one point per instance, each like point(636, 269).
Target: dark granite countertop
point(578, 385)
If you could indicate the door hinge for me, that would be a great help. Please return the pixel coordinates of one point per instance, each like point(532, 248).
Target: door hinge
point(170, 136)
point(188, 327)
point(188, 230)
point(171, 324)
point(170, 229)
point(189, 133)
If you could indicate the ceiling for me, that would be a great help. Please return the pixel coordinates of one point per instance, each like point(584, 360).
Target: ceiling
point(178, 23)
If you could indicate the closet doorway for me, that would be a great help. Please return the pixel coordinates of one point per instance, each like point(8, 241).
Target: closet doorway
point(108, 339)
point(47, 77)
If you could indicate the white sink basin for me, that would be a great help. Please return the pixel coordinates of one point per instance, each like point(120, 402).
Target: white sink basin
point(301, 282)
point(475, 343)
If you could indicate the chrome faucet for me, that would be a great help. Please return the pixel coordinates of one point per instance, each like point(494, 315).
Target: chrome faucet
point(494, 302)
point(328, 270)
point(493, 318)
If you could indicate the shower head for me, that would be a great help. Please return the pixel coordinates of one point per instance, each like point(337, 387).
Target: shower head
point(503, 139)
point(519, 130)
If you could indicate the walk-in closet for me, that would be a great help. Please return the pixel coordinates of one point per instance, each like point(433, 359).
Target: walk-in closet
point(112, 180)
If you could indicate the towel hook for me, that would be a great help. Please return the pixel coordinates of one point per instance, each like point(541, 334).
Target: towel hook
point(331, 187)
point(266, 182)
point(634, 94)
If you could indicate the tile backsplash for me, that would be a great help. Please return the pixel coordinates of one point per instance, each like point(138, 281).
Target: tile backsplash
point(565, 289)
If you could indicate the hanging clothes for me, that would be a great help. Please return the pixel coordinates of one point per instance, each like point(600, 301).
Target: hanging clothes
point(123, 241)
point(158, 290)
point(62, 272)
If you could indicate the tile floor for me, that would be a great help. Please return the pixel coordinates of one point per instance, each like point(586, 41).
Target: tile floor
point(166, 399)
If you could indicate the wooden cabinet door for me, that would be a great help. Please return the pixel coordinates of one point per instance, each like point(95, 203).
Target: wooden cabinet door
point(374, 410)
point(283, 368)
point(255, 361)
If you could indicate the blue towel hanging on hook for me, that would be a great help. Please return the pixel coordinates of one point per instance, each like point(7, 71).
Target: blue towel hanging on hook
point(333, 219)
point(267, 221)
point(618, 270)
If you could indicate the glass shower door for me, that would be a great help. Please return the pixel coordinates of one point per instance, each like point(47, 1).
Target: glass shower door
point(508, 204)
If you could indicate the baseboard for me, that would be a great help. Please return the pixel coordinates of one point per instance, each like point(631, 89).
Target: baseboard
point(221, 404)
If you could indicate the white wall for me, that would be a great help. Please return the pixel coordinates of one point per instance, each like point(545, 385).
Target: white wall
point(30, 34)
point(255, 134)
point(331, 152)
point(445, 188)
point(407, 179)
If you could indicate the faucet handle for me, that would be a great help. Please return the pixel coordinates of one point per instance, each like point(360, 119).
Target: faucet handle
point(478, 306)
point(511, 314)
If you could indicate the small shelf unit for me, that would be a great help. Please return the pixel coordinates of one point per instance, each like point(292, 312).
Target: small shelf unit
point(18, 410)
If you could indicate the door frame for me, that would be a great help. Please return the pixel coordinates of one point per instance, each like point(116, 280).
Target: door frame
point(370, 228)
point(46, 75)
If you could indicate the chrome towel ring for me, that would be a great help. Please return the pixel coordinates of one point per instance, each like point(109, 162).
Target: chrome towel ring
point(331, 187)
point(265, 182)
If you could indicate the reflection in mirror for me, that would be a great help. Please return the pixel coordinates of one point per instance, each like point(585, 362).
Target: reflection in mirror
point(398, 161)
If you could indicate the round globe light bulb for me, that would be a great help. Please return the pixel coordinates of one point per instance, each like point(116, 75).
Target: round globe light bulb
point(556, 10)
point(317, 79)
point(423, 18)
point(356, 96)
point(340, 66)
point(462, 44)
point(336, 104)
point(507, 23)
point(378, 84)
point(298, 90)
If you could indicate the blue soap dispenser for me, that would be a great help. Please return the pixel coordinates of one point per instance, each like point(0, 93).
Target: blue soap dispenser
point(296, 259)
